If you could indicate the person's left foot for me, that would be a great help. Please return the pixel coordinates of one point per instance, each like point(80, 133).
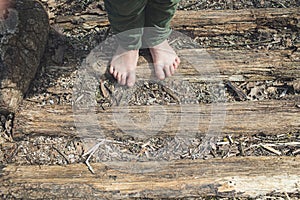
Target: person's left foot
point(165, 60)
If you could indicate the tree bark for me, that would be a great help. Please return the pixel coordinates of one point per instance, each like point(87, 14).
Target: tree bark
point(23, 37)
point(231, 177)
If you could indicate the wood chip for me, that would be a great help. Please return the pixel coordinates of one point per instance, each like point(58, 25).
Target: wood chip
point(103, 89)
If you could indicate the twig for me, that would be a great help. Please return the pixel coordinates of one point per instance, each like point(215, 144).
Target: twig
point(230, 139)
point(240, 94)
point(172, 94)
point(245, 44)
point(62, 154)
point(271, 149)
point(222, 143)
point(284, 144)
point(287, 196)
point(296, 152)
point(91, 153)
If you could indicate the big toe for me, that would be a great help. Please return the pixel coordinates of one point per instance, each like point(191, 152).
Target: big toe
point(131, 79)
point(122, 79)
point(160, 74)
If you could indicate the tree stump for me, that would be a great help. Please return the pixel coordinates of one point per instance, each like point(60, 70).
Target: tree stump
point(23, 36)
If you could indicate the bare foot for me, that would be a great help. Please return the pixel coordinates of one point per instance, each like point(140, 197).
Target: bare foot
point(123, 66)
point(165, 60)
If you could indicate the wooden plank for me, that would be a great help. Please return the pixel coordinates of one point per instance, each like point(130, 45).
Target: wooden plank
point(201, 65)
point(216, 65)
point(248, 118)
point(204, 22)
point(222, 22)
point(232, 177)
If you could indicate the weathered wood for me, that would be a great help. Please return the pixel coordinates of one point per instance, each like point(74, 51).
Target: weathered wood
point(204, 22)
point(216, 65)
point(222, 22)
point(233, 177)
point(197, 66)
point(269, 117)
point(23, 38)
point(211, 65)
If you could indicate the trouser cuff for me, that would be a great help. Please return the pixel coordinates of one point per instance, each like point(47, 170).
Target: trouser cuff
point(131, 39)
point(155, 35)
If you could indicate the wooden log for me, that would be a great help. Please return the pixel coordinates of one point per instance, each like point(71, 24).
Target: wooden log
point(204, 22)
point(232, 177)
point(214, 65)
point(222, 22)
point(23, 38)
point(248, 118)
point(201, 65)
point(217, 66)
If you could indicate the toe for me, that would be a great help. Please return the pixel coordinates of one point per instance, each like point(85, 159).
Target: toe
point(111, 69)
point(167, 70)
point(172, 69)
point(159, 72)
point(119, 78)
point(115, 74)
point(123, 79)
point(131, 79)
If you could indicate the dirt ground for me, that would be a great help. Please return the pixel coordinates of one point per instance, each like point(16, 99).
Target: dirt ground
point(67, 48)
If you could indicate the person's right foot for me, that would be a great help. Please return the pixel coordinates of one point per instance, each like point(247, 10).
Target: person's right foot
point(123, 66)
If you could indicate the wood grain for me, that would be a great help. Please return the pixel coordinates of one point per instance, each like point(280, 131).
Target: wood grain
point(204, 22)
point(247, 118)
point(233, 177)
point(215, 65)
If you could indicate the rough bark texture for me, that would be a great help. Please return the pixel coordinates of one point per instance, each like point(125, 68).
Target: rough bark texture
point(23, 36)
point(233, 177)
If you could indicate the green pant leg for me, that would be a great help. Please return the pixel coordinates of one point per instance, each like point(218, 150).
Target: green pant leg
point(159, 14)
point(127, 19)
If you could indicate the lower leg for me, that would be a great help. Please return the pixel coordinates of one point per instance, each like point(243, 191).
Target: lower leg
point(127, 20)
point(158, 17)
